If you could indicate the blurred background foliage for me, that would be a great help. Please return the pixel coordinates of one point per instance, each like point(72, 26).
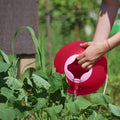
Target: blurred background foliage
point(72, 20)
point(69, 20)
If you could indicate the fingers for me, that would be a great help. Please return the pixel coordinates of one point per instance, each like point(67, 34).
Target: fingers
point(81, 61)
point(84, 62)
point(83, 58)
point(86, 44)
point(87, 65)
point(80, 56)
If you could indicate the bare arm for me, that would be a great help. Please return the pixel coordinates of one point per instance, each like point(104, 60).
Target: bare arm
point(114, 41)
point(101, 44)
point(106, 19)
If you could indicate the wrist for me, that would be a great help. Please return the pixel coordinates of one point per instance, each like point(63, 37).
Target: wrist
point(105, 47)
point(108, 45)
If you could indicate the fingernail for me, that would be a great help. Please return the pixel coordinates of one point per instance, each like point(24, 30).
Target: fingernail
point(81, 44)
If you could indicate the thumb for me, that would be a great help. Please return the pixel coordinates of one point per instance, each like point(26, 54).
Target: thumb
point(85, 45)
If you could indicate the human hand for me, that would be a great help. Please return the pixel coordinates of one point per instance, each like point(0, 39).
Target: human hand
point(93, 51)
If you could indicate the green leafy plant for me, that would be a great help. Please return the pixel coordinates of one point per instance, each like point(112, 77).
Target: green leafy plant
point(40, 95)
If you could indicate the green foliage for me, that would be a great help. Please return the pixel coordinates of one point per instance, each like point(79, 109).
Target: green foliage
point(64, 16)
point(115, 110)
point(44, 96)
point(100, 99)
point(55, 81)
point(39, 82)
point(38, 46)
point(78, 105)
point(13, 83)
point(5, 57)
point(96, 116)
point(6, 112)
point(3, 66)
point(7, 93)
point(41, 102)
point(52, 111)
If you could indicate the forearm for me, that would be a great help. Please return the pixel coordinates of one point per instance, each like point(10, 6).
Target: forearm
point(114, 41)
point(106, 19)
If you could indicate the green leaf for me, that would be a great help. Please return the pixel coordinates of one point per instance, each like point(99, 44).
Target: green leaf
point(5, 57)
point(53, 70)
point(71, 117)
point(13, 83)
point(7, 93)
point(115, 110)
point(99, 98)
point(12, 72)
point(6, 113)
point(4, 66)
point(71, 106)
point(21, 94)
point(41, 103)
point(32, 34)
point(55, 81)
point(52, 111)
point(107, 98)
point(54, 117)
point(36, 43)
point(93, 116)
point(42, 52)
point(40, 82)
point(83, 103)
point(78, 105)
point(29, 82)
point(18, 114)
point(27, 74)
point(41, 74)
point(96, 116)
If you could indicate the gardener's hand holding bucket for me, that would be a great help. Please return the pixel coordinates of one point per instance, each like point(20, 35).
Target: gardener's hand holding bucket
point(94, 50)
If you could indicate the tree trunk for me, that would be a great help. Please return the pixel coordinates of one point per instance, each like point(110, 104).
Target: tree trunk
point(77, 30)
point(48, 32)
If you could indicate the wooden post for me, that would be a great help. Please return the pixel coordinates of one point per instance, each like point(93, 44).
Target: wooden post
point(13, 15)
point(25, 62)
